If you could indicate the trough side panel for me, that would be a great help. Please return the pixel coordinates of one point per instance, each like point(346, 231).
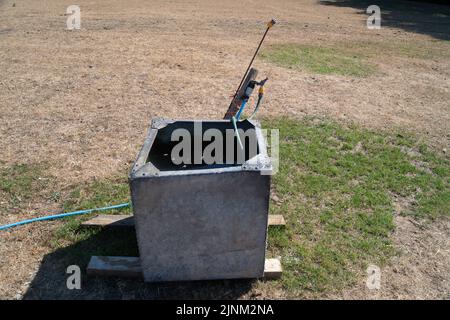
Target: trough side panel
point(196, 227)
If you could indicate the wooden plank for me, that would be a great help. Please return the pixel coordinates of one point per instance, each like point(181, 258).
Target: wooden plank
point(130, 267)
point(276, 220)
point(127, 267)
point(109, 220)
point(272, 269)
point(235, 105)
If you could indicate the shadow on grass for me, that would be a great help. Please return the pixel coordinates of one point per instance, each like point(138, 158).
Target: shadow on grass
point(420, 17)
point(50, 280)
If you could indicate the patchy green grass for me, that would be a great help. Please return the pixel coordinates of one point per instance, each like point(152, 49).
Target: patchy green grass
point(91, 195)
point(418, 49)
point(337, 188)
point(18, 184)
point(351, 58)
point(99, 194)
point(79, 243)
point(320, 60)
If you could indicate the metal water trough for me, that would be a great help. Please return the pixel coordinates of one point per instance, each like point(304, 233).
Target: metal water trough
point(200, 221)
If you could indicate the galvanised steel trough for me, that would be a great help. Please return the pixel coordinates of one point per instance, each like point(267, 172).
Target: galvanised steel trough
point(201, 220)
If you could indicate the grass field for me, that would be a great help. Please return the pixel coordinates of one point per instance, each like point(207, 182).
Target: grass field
point(319, 60)
point(363, 115)
point(338, 188)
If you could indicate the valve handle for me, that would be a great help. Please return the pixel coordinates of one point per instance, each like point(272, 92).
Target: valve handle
point(271, 23)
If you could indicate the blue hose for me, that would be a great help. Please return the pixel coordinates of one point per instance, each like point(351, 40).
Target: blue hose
point(241, 109)
point(63, 215)
point(233, 121)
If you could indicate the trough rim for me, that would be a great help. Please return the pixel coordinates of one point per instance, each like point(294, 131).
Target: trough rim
point(142, 169)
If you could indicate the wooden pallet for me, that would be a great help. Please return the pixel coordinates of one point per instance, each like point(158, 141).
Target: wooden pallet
point(130, 267)
point(109, 220)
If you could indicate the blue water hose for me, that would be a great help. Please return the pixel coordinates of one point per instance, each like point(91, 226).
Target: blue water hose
point(234, 122)
point(241, 109)
point(64, 215)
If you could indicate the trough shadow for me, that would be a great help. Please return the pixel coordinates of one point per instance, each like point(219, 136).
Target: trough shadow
point(50, 280)
point(427, 18)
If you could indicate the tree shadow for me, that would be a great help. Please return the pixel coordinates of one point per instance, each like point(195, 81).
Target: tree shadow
point(427, 18)
point(50, 280)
